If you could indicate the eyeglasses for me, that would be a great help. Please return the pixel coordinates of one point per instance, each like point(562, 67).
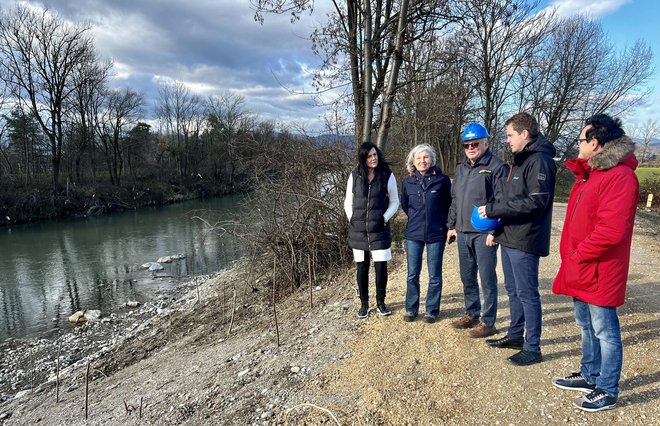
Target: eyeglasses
point(578, 141)
point(471, 145)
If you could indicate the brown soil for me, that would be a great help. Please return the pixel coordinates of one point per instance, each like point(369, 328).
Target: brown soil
point(184, 369)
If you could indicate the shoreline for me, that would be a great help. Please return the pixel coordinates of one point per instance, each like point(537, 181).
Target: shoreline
point(30, 362)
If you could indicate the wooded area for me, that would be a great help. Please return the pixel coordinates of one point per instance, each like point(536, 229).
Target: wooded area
point(406, 71)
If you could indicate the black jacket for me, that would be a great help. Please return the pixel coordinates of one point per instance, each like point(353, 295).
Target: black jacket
point(426, 204)
point(367, 229)
point(475, 185)
point(526, 205)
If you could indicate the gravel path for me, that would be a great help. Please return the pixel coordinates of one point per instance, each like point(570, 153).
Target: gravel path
point(185, 369)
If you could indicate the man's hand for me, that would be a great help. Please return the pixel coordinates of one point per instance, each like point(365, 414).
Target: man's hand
point(482, 211)
point(451, 236)
point(490, 240)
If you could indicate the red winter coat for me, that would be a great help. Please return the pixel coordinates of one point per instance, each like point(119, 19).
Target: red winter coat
point(595, 241)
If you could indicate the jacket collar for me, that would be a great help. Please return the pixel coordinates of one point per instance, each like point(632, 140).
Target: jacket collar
point(614, 152)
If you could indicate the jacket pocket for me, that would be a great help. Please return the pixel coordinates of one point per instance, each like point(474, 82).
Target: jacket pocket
point(581, 276)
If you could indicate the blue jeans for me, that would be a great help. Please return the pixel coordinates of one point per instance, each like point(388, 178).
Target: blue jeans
point(602, 349)
point(434, 254)
point(521, 280)
point(475, 256)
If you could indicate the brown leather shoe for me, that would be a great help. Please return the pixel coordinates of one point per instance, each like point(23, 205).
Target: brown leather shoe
point(482, 330)
point(465, 321)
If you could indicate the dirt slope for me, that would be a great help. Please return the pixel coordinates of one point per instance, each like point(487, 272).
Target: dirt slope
point(373, 371)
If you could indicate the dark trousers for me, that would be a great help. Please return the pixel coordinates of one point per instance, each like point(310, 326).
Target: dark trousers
point(363, 279)
point(475, 256)
point(521, 280)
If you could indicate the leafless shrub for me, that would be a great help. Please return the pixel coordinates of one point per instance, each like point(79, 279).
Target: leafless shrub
point(296, 220)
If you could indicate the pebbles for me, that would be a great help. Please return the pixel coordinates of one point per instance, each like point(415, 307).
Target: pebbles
point(33, 361)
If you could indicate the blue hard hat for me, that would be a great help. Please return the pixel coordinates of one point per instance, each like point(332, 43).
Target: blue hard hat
point(483, 224)
point(474, 131)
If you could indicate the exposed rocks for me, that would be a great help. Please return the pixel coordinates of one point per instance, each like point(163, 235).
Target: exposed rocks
point(85, 315)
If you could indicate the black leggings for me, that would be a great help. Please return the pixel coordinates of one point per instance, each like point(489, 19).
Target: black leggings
point(363, 279)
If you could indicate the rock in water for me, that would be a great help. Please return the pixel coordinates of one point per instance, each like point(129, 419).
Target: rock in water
point(156, 267)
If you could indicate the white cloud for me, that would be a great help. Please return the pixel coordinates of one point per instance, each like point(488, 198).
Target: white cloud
point(211, 46)
point(591, 8)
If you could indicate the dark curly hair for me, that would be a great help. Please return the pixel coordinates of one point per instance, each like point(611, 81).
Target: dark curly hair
point(603, 128)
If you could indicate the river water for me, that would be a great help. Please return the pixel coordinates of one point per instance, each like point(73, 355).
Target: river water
point(50, 269)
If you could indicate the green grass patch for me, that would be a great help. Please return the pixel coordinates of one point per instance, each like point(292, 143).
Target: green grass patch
point(647, 173)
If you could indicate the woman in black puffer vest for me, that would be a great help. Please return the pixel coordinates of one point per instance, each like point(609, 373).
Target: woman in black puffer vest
point(371, 201)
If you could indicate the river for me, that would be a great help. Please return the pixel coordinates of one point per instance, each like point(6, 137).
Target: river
point(50, 269)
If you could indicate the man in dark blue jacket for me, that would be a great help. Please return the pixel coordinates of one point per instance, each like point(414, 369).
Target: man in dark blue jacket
point(525, 211)
point(478, 179)
point(425, 198)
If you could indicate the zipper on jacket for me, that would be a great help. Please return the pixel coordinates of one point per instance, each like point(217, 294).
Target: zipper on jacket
point(426, 216)
point(366, 221)
point(577, 202)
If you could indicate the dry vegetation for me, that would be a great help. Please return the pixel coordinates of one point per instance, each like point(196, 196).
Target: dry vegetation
point(186, 369)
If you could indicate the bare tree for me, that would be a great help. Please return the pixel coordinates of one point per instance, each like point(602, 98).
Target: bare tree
point(41, 54)
point(362, 46)
point(86, 101)
point(227, 118)
point(646, 133)
point(497, 38)
point(576, 73)
point(120, 112)
point(181, 115)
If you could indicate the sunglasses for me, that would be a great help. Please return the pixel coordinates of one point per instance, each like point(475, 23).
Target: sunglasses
point(471, 145)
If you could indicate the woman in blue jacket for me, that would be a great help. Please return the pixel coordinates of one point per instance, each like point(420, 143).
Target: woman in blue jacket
point(425, 198)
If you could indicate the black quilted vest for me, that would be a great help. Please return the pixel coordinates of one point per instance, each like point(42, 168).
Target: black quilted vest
point(367, 229)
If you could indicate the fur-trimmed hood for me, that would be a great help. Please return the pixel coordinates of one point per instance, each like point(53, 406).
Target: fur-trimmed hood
point(613, 153)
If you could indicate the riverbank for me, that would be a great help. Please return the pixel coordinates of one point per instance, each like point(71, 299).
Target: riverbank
point(24, 204)
point(29, 362)
point(196, 365)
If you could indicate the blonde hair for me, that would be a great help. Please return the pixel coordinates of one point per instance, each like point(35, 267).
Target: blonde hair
point(410, 166)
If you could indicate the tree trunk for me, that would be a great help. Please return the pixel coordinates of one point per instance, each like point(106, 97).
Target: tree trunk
point(368, 72)
point(386, 113)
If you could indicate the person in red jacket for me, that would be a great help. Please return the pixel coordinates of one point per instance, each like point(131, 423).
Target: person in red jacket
point(595, 255)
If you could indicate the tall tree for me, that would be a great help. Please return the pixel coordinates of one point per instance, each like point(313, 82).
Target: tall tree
point(40, 55)
point(576, 72)
point(646, 133)
point(120, 111)
point(180, 114)
point(227, 118)
point(497, 39)
point(86, 100)
point(25, 143)
point(362, 46)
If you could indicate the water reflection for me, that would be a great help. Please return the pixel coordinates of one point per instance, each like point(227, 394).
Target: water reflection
point(51, 269)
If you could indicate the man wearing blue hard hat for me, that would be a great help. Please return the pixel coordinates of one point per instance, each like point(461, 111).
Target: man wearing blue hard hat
point(478, 179)
point(525, 210)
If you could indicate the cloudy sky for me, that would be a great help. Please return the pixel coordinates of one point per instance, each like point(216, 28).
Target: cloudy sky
point(216, 46)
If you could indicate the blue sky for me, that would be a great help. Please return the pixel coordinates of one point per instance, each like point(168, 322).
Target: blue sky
point(215, 46)
point(626, 21)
